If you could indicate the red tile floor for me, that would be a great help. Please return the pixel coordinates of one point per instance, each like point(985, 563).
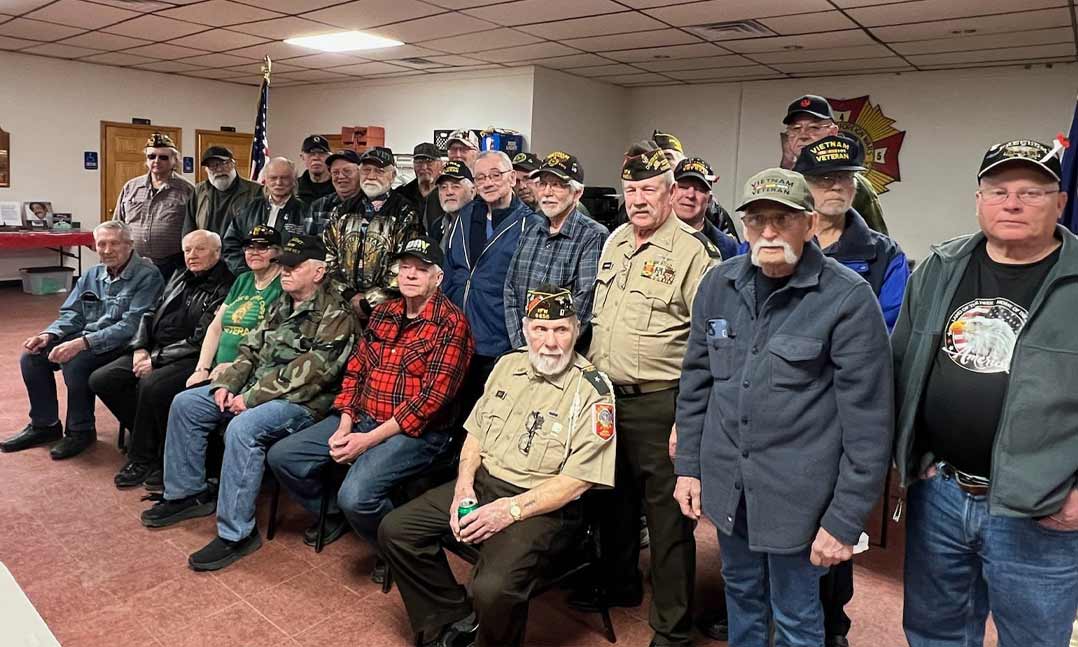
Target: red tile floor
point(99, 579)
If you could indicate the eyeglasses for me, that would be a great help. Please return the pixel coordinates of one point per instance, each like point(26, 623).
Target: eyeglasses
point(346, 172)
point(778, 221)
point(828, 181)
point(218, 165)
point(493, 176)
point(160, 158)
point(811, 129)
point(1029, 197)
point(257, 247)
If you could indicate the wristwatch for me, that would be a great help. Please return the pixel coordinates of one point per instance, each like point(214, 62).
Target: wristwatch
point(514, 510)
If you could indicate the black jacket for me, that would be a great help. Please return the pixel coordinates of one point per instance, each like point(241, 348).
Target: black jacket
point(308, 190)
point(290, 222)
point(188, 304)
point(429, 208)
point(211, 209)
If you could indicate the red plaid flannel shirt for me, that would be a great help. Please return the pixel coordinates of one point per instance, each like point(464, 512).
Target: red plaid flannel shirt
point(409, 373)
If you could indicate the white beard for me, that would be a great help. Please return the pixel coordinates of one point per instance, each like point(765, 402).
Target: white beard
point(373, 189)
point(549, 365)
point(222, 182)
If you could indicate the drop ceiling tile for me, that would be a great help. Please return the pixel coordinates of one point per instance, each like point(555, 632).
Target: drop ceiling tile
point(927, 10)
point(216, 60)
point(615, 23)
point(522, 12)
point(657, 38)
point(728, 60)
point(365, 69)
point(5, 17)
point(450, 59)
point(218, 40)
point(986, 41)
point(404, 51)
point(647, 4)
point(117, 58)
point(469, 68)
point(371, 13)
point(165, 51)
point(572, 61)
point(1032, 53)
point(846, 4)
point(15, 43)
point(962, 66)
point(215, 73)
point(431, 27)
point(1000, 23)
point(809, 23)
point(527, 52)
point(219, 13)
point(711, 11)
point(610, 69)
point(36, 30)
point(661, 53)
point(884, 62)
point(154, 28)
point(104, 41)
point(168, 67)
point(317, 75)
point(16, 7)
point(77, 13)
point(748, 71)
point(142, 6)
point(462, 4)
point(394, 75)
point(282, 28)
point(256, 68)
point(638, 77)
point(493, 39)
point(844, 38)
point(59, 50)
point(274, 50)
point(323, 60)
point(827, 54)
point(290, 6)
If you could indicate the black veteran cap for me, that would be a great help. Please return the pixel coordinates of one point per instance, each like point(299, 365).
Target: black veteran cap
point(302, 248)
point(347, 154)
point(830, 154)
point(810, 104)
point(1022, 151)
point(380, 156)
point(645, 166)
point(526, 162)
point(778, 185)
point(455, 170)
point(425, 249)
point(426, 151)
point(667, 141)
point(263, 234)
point(695, 168)
point(315, 143)
point(160, 140)
point(562, 165)
point(549, 302)
point(216, 153)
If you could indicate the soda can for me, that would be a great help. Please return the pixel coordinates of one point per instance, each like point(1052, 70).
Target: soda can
point(466, 507)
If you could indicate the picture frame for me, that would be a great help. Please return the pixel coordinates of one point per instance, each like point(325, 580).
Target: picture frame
point(37, 214)
point(61, 221)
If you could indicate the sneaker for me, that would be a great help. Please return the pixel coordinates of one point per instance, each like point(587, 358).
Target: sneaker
point(155, 480)
point(219, 553)
point(131, 475)
point(336, 525)
point(32, 436)
point(166, 512)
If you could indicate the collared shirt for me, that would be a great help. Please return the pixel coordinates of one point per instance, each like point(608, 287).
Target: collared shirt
point(155, 216)
point(407, 370)
point(567, 259)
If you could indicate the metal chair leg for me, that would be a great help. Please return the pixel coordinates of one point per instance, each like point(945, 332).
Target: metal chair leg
point(323, 512)
point(275, 500)
point(608, 625)
point(387, 583)
point(121, 441)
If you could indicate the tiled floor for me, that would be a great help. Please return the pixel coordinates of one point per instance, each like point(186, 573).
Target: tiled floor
point(100, 579)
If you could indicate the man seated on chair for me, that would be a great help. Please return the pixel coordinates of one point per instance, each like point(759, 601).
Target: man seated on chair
point(390, 420)
point(283, 379)
point(539, 437)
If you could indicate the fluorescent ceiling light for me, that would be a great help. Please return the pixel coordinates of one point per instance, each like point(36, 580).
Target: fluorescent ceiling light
point(343, 41)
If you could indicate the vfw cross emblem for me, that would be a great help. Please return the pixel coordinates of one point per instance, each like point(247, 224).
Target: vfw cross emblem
point(860, 119)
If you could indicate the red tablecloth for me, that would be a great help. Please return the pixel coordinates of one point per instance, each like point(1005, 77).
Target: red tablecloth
point(42, 239)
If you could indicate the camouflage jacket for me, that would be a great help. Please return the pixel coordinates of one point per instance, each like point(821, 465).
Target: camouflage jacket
point(297, 353)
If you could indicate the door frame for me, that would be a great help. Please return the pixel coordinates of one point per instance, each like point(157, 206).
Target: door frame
point(103, 169)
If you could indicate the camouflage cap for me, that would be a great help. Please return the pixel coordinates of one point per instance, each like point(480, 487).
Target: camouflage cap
point(160, 140)
point(549, 302)
point(777, 185)
point(645, 166)
point(667, 141)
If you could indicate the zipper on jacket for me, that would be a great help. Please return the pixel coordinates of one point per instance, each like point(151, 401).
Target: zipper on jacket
point(471, 271)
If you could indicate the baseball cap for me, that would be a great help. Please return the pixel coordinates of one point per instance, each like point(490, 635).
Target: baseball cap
point(315, 143)
point(562, 165)
point(809, 104)
point(263, 234)
point(1022, 151)
point(216, 153)
point(526, 162)
point(777, 185)
point(455, 170)
point(830, 154)
point(695, 168)
point(426, 151)
point(425, 249)
point(380, 156)
point(347, 154)
point(301, 248)
point(463, 136)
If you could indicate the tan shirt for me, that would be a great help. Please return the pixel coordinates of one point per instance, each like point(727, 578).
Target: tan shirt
point(643, 302)
point(529, 429)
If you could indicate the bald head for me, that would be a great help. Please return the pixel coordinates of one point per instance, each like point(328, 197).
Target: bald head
point(280, 179)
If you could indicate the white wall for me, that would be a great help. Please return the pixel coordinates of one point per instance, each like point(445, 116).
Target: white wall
point(53, 110)
point(950, 118)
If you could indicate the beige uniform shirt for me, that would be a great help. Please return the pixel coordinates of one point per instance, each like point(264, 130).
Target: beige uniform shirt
point(531, 427)
point(643, 302)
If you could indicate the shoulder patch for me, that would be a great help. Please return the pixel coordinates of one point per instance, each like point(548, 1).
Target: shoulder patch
point(712, 251)
point(602, 420)
point(597, 380)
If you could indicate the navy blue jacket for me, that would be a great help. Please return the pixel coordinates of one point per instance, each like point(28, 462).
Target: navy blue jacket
point(727, 244)
point(475, 282)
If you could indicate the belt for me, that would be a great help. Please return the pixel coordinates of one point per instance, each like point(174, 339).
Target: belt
point(643, 388)
point(968, 483)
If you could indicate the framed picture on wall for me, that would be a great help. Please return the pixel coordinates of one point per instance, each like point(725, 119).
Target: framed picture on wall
point(37, 214)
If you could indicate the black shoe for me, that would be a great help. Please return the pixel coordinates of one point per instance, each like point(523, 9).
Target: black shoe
point(165, 512)
point(73, 444)
point(461, 633)
point(837, 641)
point(133, 474)
point(378, 575)
point(587, 599)
point(219, 553)
point(714, 624)
point(32, 436)
point(336, 525)
point(659, 642)
point(155, 480)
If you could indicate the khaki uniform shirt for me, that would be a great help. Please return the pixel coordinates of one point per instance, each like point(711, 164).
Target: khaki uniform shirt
point(643, 302)
point(531, 427)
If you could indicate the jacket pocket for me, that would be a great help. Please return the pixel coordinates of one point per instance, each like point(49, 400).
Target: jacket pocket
point(547, 451)
point(795, 361)
point(720, 355)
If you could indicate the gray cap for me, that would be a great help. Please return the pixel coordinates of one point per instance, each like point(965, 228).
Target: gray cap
point(778, 185)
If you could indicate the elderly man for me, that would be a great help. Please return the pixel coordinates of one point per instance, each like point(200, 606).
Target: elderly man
point(96, 322)
point(364, 232)
point(670, 146)
point(222, 196)
point(808, 119)
point(394, 415)
point(788, 487)
point(463, 146)
point(986, 440)
point(481, 245)
point(523, 165)
point(138, 386)
point(276, 207)
point(345, 182)
point(315, 182)
point(541, 436)
point(456, 188)
point(154, 206)
point(560, 248)
point(693, 198)
point(422, 191)
point(648, 274)
point(283, 380)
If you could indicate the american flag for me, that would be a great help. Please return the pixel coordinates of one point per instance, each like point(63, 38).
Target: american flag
point(260, 144)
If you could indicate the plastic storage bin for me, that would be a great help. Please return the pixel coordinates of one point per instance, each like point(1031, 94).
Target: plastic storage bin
point(46, 280)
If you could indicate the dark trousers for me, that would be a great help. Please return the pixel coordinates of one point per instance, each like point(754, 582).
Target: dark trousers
point(168, 265)
point(836, 591)
point(142, 404)
point(509, 563)
point(37, 375)
point(644, 472)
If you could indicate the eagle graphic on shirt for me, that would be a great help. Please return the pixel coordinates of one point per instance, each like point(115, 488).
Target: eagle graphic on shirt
point(981, 334)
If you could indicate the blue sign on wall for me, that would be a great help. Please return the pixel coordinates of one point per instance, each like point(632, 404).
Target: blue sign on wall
point(188, 165)
point(89, 160)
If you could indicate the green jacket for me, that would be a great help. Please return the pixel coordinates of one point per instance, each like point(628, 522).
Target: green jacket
point(867, 203)
point(211, 209)
point(297, 353)
point(1035, 455)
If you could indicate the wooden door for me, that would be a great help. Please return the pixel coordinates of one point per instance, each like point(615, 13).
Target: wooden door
point(238, 143)
point(123, 156)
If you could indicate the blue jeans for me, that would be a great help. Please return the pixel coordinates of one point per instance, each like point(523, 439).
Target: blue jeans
point(765, 586)
point(298, 462)
point(37, 375)
point(193, 417)
point(963, 562)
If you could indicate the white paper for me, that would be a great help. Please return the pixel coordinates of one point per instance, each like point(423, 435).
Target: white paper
point(10, 215)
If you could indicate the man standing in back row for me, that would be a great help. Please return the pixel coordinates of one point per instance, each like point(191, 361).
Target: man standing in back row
point(222, 196)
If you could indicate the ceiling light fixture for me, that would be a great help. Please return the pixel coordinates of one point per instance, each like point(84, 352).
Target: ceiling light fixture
point(343, 41)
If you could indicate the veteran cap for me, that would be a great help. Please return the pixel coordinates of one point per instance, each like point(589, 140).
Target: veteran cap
point(810, 104)
point(346, 154)
point(425, 249)
point(778, 185)
point(463, 136)
point(263, 234)
point(1022, 151)
point(562, 165)
point(160, 140)
point(315, 143)
point(216, 153)
point(426, 151)
point(667, 141)
point(526, 162)
point(455, 170)
point(380, 156)
point(549, 302)
point(830, 154)
point(645, 166)
point(301, 248)
point(695, 168)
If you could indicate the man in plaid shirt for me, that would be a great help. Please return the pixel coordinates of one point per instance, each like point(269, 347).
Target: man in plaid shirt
point(391, 419)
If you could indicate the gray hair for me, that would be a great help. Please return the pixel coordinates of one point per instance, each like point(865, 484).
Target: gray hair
point(212, 236)
point(576, 186)
point(117, 226)
point(291, 169)
point(506, 163)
